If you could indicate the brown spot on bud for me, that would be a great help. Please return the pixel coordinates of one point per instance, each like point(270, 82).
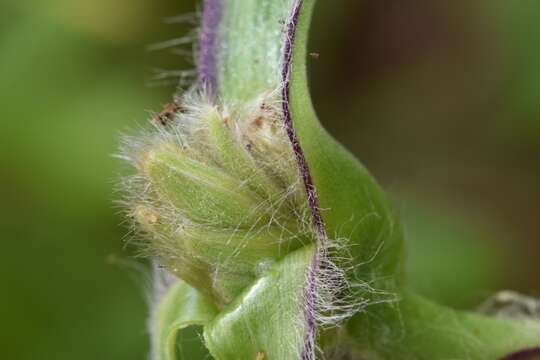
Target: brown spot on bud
point(258, 122)
point(168, 113)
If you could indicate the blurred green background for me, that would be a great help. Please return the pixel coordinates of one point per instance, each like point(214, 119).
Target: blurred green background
point(440, 99)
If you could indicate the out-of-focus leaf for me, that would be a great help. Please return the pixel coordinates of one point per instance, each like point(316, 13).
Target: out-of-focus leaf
point(450, 260)
point(63, 103)
point(519, 33)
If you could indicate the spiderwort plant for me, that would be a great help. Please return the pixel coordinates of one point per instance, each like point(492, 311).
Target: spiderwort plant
point(268, 233)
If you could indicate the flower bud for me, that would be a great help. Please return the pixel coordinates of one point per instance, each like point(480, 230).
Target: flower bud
point(217, 197)
point(235, 157)
point(220, 261)
point(205, 193)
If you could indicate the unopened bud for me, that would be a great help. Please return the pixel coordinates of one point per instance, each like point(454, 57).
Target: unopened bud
point(217, 198)
point(204, 192)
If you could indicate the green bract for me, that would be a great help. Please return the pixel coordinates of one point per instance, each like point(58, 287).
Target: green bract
point(283, 244)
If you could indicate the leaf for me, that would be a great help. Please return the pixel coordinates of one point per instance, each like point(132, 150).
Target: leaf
point(421, 330)
point(267, 318)
point(355, 208)
point(182, 307)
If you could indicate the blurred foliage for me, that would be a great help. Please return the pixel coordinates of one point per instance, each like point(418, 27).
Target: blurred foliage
point(520, 36)
point(438, 100)
point(67, 92)
point(441, 100)
point(449, 257)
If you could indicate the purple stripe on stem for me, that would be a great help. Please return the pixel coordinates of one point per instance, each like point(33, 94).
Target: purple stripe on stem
point(310, 292)
point(304, 169)
point(212, 14)
point(528, 354)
